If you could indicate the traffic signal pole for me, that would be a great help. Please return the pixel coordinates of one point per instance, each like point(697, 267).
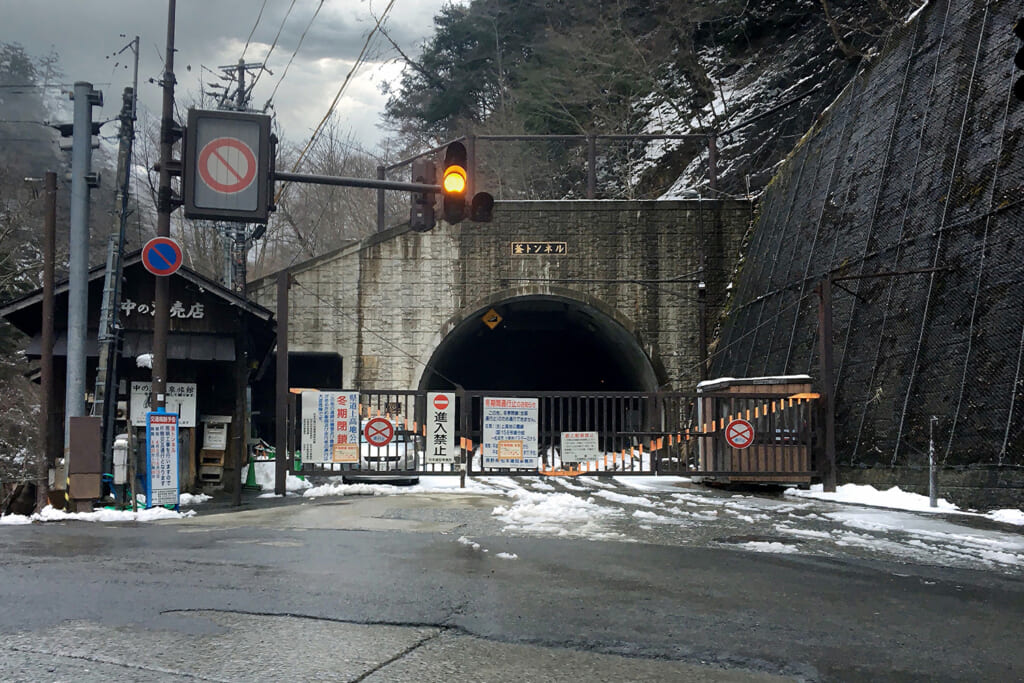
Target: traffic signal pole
point(341, 181)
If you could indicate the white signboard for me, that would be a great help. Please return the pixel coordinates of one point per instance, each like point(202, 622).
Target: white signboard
point(330, 426)
point(441, 428)
point(510, 432)
point(161, 459)
point(180, 399)
point(578, 447)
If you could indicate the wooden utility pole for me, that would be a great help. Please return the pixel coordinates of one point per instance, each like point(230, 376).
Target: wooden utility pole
point(168, 135)
point(49, 424)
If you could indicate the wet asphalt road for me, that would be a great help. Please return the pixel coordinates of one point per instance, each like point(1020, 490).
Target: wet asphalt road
point(382, 589)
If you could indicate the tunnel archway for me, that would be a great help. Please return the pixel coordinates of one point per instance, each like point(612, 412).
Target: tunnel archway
point(539, 343)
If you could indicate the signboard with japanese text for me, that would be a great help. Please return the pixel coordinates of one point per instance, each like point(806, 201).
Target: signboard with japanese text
point(330, 422)
point(510, 432)
point(161, 459)
point(180, 399)
point(441, 428)
point(578, 447)
point(545, 248)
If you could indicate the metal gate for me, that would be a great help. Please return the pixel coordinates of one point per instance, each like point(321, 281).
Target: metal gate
point(638, 433)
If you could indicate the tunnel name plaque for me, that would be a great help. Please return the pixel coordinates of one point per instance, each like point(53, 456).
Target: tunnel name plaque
point(540, 248)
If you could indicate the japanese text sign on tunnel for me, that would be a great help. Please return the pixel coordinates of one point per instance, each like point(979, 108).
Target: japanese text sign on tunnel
point(227, 166)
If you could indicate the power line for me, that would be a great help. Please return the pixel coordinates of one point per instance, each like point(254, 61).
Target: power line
point(334, 307)
point(249, 39)
point(291, 59)
point(330, 110)
point(280, 28)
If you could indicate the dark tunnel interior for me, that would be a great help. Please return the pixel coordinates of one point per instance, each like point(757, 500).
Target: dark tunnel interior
point(540, 344)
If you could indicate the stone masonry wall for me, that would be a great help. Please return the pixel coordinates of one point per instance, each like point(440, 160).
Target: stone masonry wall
point(386, 303)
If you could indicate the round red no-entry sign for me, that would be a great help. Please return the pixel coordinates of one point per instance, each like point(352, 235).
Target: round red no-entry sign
point(161, 256)
point(441, 402)
point(739, 433)
point(227, 165)
point(379, 431)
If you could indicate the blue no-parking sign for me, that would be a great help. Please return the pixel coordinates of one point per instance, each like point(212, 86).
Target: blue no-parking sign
point(161, 256)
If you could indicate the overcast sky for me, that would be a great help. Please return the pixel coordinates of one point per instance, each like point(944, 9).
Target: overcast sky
point(213, 33)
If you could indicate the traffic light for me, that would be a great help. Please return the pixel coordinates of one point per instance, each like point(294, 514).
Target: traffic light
point(421, 214)
point(1018, 59)
point(453, 183)
point(481, 209)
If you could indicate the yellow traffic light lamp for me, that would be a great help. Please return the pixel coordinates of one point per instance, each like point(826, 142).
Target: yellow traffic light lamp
point(453, 183)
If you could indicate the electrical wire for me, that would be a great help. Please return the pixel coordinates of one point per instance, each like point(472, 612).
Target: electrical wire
point(280, 28)
point(335, 309)
point(290, 60)
point(334, 103)
point(249, 39)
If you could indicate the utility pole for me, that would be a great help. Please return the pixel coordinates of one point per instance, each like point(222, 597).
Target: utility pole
point(46, 379)
point(236, 247)
point(169, 131)
point(108, 334)
point(82, 180)
point(236, 238)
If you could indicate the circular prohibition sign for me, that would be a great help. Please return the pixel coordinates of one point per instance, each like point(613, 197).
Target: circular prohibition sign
point(379, 431)
point(161, 256)
point(739, 434)
point(227, 165)
point(441, 402)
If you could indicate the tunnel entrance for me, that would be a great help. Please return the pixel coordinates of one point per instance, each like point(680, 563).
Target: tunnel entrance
point(542, 343)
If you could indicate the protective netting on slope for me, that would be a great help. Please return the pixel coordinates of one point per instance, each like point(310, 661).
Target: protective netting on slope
point(919, 165)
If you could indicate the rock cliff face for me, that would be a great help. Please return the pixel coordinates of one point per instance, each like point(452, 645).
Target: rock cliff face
point(919, 165)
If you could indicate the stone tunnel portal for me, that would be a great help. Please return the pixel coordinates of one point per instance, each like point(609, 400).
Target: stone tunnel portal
point(541, 343)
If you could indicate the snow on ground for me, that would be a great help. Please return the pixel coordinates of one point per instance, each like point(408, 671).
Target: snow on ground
point(856, 520)
point(51, 514)
point(1007, 516)
point(869, 495)
point(187, 500)
point(557, 514)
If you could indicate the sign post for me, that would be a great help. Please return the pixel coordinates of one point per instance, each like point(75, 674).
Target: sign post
point(330, 427)
point(510, 432)
point(161, 459)
point(440, 428)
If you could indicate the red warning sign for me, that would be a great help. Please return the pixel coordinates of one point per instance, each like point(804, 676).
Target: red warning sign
point(739, 433)
point(227, 165)
point(379, 431)
point(441, 402)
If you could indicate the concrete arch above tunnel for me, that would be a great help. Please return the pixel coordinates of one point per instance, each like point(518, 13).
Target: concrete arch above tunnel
point(541, 342)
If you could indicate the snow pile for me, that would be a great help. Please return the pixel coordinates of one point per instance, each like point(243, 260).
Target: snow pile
point(51, 514)
point(266, 473)
point(769, 547)
point(469, 542)
point(862, 494)
point(13, 520)
point(507, 556)
point(557, 514)
point(1007, 516)
point(189, 499)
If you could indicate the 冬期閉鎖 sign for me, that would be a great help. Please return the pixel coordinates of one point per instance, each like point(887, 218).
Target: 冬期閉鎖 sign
point(507, 421)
